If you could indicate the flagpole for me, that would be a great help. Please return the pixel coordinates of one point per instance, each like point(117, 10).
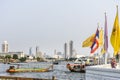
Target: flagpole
point(105, 39)
point(106, 57)
point(98, 57)
point(119, 58)
point(119, 49)
point(104, 42)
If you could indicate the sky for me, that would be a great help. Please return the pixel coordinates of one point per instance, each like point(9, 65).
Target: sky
point(51, 23)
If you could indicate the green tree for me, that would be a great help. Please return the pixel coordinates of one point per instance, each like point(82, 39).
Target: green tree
point(8, 57)
point(15, 56)
point(38, 59)
point(22, 59)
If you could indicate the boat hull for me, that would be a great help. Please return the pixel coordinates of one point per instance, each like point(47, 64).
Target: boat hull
point(76, 67)
point(13, 70)
point(26, 70)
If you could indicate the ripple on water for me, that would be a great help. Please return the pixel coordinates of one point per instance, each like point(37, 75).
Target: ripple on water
point(60, 72)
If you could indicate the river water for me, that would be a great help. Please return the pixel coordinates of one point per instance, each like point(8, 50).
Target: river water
point(59, 71)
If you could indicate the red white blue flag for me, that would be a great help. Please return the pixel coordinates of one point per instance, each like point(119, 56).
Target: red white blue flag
point(95, 44)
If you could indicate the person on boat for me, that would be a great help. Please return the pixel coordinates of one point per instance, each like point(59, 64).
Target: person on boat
point(113, 63)
point(75, 66)
point(12, 67)
point(68, 65)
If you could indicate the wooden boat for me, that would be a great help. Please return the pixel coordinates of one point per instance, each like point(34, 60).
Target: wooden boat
point(55, 62)
point(76, 67)
point(13, 70)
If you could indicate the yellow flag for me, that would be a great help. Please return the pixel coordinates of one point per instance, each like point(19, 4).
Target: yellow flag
point(89, 41)
point(103, 51)
point(115, 36)
point(101, 37)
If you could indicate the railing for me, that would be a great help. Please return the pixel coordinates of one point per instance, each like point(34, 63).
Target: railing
point(22, 78)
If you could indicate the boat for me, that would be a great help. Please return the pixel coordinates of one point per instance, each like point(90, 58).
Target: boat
point(12, 69)
point(77, 66)
point(55, 62)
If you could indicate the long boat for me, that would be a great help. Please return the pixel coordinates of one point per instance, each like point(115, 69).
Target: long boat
point(55, 62)
point(12, 69)
point(76, 67)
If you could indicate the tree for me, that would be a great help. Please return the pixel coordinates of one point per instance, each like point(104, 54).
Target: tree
point(22, 59)
point(40, 59)
point(7, 57)
point(15, 56)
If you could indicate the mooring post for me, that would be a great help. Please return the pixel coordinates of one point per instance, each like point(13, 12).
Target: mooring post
point(53, 77)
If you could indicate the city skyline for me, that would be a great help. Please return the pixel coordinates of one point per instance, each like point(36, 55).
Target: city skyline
point(50, 23)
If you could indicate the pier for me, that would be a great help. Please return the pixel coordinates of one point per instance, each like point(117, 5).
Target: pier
point(102, 72)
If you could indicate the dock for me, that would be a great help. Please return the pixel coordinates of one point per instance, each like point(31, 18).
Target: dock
point(103, 72)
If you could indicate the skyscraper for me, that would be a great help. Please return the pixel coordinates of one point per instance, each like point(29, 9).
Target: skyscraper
point(71, 49)
point(5, 47)
point(38, 53)
point(37, 49)
point(65, 50)
point(30, 51)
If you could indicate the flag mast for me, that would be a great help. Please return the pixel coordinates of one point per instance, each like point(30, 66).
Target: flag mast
point(105, 39)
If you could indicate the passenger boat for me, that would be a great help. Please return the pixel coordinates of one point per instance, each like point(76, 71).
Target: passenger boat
point(12, 69)
point(77, 66)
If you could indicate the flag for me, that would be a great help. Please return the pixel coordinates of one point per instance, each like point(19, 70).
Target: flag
point(103, 50)
point(88, 42)
point(95, 43)
point(105, 35)
point(115, 39)
point(101, 37)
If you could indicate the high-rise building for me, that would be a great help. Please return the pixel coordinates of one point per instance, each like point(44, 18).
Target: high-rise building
point(30, 51)
point(37, 49)
point(65, 50)
point(55, 52)
point(71, 49)
point(38, 53)
point(5, 47)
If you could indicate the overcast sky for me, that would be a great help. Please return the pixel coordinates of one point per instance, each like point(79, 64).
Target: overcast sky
point(51, 23)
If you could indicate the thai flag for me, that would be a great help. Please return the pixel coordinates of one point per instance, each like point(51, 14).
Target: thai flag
point(95, 44)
